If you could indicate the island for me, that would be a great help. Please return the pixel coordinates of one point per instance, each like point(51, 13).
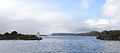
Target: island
point(18, 36)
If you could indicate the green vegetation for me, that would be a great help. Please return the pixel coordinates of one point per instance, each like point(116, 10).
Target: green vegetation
point(18, 36)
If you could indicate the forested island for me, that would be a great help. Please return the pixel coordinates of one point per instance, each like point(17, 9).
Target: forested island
point(18, 36)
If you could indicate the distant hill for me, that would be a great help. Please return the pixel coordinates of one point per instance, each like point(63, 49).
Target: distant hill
point(65, 34)
point(104, 35)
point(92, 33)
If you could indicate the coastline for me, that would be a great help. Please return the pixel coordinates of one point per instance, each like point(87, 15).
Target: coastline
point(18, 36)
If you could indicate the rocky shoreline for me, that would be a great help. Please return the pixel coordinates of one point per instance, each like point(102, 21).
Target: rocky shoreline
point(18, 36)
point(109, 35)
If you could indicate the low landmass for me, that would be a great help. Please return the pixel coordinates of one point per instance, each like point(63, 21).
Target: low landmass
point(65, 34)
point(18, 36)
point(92, 33)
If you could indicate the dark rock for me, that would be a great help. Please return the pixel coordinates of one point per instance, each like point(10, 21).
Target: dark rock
point(15, 36)
point(109, 35)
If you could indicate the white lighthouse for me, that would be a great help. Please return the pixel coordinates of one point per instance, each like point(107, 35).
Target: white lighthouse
point(39, 36)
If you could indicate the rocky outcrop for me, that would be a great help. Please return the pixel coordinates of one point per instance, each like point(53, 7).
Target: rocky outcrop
point(109, 35)
point(18, 36)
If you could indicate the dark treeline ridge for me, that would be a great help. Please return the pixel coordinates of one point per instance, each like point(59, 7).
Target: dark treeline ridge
point(18, 36)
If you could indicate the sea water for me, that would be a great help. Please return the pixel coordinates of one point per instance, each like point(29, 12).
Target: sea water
point(60, 44)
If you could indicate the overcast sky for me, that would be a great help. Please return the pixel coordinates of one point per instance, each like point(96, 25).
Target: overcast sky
point(52, 16)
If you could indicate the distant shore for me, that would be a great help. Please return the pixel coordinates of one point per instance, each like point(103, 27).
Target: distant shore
point(65, 34)
point(104, 35)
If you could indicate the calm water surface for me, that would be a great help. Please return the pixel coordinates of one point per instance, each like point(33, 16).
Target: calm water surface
point(60, 44)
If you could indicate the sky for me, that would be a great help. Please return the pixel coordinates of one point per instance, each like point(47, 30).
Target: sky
point(59, 16)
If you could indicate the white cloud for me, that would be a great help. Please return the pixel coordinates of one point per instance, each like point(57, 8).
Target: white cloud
point(98, 24)
point(5, 5)
point(43, 6)
point(20, 9)
point(95, 23)
point(85, 4)
point(32, 17)
point(111, 8)
point(111, 12)
point(51, 16)
point(23, 16)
